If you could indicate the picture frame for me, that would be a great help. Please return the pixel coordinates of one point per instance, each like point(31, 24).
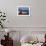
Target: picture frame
point(24, 11)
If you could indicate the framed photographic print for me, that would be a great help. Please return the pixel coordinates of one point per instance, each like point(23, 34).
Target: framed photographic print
point(23, 11)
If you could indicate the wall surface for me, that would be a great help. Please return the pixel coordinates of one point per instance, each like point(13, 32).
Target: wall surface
point(38, 18)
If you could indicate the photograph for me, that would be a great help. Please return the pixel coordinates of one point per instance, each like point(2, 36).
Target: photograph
point(23, 11)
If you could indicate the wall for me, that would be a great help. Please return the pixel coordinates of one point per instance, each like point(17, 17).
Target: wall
point(38, 18)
